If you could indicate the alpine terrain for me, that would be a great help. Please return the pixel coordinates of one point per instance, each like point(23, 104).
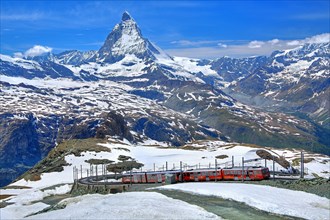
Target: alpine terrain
point(131, 89)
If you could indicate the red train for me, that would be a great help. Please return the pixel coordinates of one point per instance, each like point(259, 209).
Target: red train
point(235, 173)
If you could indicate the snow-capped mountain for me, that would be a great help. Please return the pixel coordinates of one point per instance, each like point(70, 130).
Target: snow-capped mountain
point(19, 67)
point(296, 79)
point(74, 57)
point(231, 69)
point(130, 88)
point(126, 39)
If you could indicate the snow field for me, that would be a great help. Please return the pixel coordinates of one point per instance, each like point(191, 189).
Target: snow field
point(267, 198)
point(23, 201)
point(132, 205)
point(280, 201)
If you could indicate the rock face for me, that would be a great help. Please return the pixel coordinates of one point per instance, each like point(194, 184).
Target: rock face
point(131, 89)
point(231, 69)
point(25, 140)
point(19, 147)
point(126, 39)
point(297, 80)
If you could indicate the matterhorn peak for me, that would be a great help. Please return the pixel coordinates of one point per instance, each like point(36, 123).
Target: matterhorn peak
point(126, 16)
point(126, 39)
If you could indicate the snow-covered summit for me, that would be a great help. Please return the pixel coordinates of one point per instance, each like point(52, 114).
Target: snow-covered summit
point(126, 16)
point(126, 39)
point(305, 51)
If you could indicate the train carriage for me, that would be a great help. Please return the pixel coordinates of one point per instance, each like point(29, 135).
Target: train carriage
point(200, 175)
point(145, 177)
point(156, 177)
point(249, 173)
point(135, 178)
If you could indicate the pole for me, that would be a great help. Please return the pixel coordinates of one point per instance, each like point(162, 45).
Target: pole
point(154, 167)
point(96, 172)
point(216, 170)
point(301, 164)
point(181, 179)
point(103, 169)
point(265, 162)
point(131, 176)
point(242, 169)
point(106, 173)
point(103, 177)
point(273, 167)
point(303, 158)
point(232, 161)
point(166, 166)
point(81, 171)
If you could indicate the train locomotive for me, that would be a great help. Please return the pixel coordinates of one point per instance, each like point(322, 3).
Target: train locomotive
point(199, 175)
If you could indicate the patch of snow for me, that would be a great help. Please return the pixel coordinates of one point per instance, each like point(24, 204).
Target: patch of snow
point(26, 64)
point(16, 211)
point(192, 66)
point(267, 198)
point(132, 205)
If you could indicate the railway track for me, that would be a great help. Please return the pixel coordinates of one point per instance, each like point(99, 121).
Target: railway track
point(104, 180)
point(95, 180)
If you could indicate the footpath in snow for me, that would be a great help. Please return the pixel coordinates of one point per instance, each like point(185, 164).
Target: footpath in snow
point(267, 198)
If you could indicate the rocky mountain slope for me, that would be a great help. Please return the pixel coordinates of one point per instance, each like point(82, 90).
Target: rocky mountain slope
point(296, 80)
point(130, 88)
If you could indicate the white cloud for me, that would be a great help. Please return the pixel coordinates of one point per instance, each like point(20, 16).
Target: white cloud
point(18, 55)
point(255, 44)
point(222, 45)
point(37, 50)
point(317, 39)
point(185, 43)
point(242, 48)
point(294, 43)
point(274, 41)
point(216, 52)
point(321, 38)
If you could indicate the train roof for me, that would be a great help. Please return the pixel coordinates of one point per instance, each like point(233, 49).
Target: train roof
point(157, 172)
point(197, 170)
point(245, 168)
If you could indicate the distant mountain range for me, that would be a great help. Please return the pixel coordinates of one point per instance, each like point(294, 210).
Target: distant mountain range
point(132, 89)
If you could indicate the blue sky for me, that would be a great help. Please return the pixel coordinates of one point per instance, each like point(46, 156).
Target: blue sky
point(204, 29)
